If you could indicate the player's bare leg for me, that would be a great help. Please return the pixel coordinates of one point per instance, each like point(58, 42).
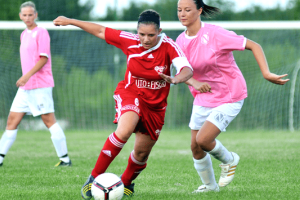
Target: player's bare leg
point(137, 161)
point(10, 134)
point(203, 164)
point(206, 140)
point(58, 138)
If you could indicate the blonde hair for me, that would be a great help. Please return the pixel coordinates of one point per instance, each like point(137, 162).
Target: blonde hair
point(28, 4)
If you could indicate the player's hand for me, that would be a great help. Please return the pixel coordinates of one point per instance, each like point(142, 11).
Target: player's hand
point(202, 87)
point(61, 21)
point(169, 79)
point(22, 81)
point(277, 79)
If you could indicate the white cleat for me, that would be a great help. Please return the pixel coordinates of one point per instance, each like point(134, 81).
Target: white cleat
point(205, 188)
point(228, 171)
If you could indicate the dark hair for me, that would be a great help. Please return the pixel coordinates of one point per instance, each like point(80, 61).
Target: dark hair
point(149, 17)
point(208, 11)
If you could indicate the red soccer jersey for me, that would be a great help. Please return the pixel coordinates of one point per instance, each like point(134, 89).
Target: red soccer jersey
point(143, 65)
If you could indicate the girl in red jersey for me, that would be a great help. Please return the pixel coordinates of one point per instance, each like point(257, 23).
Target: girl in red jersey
point(141, 98)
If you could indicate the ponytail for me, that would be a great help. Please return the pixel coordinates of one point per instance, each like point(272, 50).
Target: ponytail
point(208, 11)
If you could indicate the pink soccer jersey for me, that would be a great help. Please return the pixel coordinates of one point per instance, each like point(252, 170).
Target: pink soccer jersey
point(143, 65)
point(34, 44)
point(210, 54)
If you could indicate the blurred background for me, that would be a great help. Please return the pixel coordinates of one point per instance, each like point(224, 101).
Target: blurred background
point(86, 70)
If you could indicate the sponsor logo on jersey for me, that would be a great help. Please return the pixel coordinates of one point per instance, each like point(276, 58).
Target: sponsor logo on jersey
point(156, 85)
point(136, 101)
point(151, 56)
point(204, 39)
point(131, 107)
point(157, 132)
point(160, 69)
point(107, 152)
point(34, 34)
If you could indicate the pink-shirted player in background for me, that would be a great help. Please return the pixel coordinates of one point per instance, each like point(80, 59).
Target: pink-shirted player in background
point(34, 95)
point(141, 98)
point(218, 87)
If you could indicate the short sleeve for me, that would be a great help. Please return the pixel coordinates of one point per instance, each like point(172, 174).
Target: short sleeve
point(120, 39)
point(177, 56)
point(112, 37)
point(43, 43)
point(227, 41)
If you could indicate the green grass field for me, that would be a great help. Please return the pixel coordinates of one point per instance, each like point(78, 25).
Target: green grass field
point(269, 167)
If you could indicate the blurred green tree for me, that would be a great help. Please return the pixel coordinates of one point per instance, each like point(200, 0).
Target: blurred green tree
point(47, 10)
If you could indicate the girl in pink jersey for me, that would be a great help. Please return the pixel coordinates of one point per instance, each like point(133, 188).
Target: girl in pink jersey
point(141, 98)
point(218, 87)
point(34, 95)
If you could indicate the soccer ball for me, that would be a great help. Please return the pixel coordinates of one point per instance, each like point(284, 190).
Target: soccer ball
point(107, 186)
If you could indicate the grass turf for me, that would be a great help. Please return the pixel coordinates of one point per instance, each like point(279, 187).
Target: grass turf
point(268, 169)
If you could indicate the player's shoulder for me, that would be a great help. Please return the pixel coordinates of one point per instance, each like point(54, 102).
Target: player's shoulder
point(180, 37)
point(129, 35)
point(166, 40)
point(41, 29)
point(211, 27)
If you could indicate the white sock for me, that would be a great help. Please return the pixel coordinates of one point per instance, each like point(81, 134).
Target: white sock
point(59, 141)
point(7, 139)
point(221, 153)
point(205, 171)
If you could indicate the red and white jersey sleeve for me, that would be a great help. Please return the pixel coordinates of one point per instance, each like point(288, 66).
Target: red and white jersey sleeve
point(144, 65)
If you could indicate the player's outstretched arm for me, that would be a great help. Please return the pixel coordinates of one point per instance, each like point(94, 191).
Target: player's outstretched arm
point(92, 28)
point(263, 65)
point(199, 86)
point(185, 74)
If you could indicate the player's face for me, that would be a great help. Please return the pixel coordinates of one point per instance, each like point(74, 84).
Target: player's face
point(27, 15)
point(187, 12)
point(148, 35)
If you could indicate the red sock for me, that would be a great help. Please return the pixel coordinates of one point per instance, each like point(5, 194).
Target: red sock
point(110, 150)
point(134, 168)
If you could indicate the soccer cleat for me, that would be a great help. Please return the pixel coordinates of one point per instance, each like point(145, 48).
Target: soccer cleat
point(129, 190)
point(86, 192)
point(1, 164)
point(228, 171)
point(63, 164)
point(205, 188)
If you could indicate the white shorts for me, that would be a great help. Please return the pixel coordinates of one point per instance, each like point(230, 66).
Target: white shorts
point(220, 116)
point(33, 102)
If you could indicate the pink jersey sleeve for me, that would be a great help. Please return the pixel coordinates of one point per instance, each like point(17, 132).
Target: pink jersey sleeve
point(227, 41)
point(43, 40)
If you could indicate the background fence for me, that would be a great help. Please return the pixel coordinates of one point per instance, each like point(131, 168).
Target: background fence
point(86, 71)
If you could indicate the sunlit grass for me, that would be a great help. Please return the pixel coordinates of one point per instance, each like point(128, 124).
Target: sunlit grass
point(268, 169)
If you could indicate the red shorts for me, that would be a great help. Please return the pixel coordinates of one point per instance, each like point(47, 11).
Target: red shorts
point(151, 119)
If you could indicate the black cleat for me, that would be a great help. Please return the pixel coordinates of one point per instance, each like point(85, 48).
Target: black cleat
point(129, 190)
point(1, 164)
point(63, 164)
point(86, 192)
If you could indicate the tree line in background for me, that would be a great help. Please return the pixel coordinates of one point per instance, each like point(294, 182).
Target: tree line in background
point(49, 10)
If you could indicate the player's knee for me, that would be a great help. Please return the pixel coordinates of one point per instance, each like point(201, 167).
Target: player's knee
point(141, 156)
point(203, 143)
point(194, 147)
